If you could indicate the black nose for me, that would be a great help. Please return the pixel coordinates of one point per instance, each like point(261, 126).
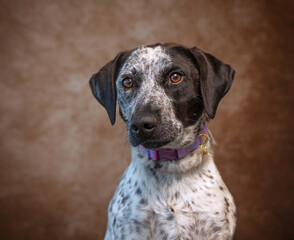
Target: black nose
point(144, 125)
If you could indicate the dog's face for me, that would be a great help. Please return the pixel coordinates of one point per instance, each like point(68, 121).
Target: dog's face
point(165, 92)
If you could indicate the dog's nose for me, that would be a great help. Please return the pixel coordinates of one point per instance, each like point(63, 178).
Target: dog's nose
point(144, 126)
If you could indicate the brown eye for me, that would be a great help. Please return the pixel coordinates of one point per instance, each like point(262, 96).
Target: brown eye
point(127, 82)
point(175, 77)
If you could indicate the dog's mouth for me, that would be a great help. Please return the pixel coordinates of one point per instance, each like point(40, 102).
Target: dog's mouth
point(154, 144)
point(152, 137)
point(149, 143)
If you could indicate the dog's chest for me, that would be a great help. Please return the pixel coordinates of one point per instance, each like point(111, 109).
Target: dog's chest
point(177, 209)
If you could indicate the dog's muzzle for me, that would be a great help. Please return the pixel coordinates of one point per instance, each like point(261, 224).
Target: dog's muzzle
point(144, 126)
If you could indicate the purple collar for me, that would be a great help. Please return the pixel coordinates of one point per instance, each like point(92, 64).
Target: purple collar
point(166, 154)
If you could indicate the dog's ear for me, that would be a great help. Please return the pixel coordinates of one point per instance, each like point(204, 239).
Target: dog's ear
point(103, 85)
point(216, 79)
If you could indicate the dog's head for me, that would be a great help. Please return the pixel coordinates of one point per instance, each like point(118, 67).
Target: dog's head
point(165, 92)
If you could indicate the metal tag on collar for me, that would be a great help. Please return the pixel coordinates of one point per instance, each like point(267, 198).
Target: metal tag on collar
point(203, 145)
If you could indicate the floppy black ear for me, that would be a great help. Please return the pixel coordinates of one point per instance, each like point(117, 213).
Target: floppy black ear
point(216, 79)
point(103, 85)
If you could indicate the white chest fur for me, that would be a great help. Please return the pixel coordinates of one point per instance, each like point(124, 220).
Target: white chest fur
point(152, 204)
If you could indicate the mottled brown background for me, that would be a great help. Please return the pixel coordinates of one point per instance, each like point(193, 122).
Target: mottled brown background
point(61, 160)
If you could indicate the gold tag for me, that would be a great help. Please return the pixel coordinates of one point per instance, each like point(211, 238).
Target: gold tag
point(203, 145)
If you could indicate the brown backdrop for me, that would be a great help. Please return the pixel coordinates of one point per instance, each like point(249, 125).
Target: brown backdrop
point(61, 160)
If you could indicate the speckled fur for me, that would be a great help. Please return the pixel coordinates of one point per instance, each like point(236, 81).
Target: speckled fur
point(174, 200)
point(150, 62)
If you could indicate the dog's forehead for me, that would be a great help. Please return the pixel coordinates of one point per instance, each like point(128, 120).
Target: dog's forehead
point(146, 57)
point(150, 53)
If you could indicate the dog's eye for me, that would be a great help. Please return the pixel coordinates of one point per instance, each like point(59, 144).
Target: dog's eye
point(175, 78)
point(127, 82)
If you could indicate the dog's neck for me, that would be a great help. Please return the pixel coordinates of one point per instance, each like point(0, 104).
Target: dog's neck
point(169, 178)
point(169, 154)
point(190, 162)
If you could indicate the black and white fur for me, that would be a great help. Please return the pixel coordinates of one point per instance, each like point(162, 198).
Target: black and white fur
point(182, 199)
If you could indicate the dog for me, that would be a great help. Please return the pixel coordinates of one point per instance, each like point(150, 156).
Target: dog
point(171, 190)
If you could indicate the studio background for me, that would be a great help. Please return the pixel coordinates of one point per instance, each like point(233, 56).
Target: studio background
point(60, 158)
